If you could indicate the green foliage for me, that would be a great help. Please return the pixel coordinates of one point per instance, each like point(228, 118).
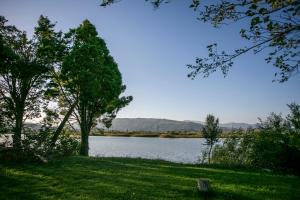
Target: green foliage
point(72, 71)
point(275, 145)
point(91, 77)
point(51, 46)
point(67, 145)
point(36, 143)
point(211, 132)
point(235, 150)
point(22, 76)
point(294, 117)
point(36, 147)
point(6, 118)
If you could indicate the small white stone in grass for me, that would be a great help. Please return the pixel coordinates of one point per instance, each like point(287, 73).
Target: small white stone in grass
point(203, 185)
point(41, 158)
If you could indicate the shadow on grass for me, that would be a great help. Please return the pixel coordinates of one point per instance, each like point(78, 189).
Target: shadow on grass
point(124, 178)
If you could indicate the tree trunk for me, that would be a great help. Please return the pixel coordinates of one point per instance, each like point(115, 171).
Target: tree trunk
point(17, 137)
point(18, 132)
point(62, 125)
point(209, 153)
point(84, 146)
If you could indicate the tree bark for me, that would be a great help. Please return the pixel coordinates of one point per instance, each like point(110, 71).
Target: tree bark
point(209, 153)
point(17, 137)
point(85, 130)
point(18, 132)
point(62, 125)
point(84, 146)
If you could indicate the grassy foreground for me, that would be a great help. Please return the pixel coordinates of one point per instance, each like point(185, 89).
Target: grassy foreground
point(125, 178)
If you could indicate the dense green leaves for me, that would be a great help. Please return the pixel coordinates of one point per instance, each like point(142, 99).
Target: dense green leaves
point(51, 45)
point(22, 76)
point(70, 76)
point(274, 145)
point(211, 132)
point(92, 77)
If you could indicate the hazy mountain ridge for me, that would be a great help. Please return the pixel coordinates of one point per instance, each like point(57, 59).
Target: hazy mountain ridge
point(155, 125)
point(158, 125)
point(231, 125)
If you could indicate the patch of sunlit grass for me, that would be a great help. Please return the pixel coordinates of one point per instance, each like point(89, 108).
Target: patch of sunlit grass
point(125, 178)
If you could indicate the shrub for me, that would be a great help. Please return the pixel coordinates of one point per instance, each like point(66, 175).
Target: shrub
point(235, 150)
point(275, 145)
point(66, 145)
point(276, 150)
point(36, 144)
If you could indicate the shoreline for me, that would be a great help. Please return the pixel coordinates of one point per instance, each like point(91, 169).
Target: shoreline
point(145, 134)
point(156, 134)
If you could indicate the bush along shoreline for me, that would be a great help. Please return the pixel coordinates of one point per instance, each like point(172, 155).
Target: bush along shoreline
point(275, 145)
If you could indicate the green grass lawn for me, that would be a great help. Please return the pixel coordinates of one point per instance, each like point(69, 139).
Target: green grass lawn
point(124, 178)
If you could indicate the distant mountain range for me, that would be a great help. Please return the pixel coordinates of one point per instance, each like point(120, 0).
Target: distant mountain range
point(157, 125)
point(161, 125)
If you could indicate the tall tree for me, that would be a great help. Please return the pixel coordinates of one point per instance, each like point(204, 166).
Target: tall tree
point(22, 77)
point(211, 132)
point(52, 48)
point(272, 26)
point(92, 78)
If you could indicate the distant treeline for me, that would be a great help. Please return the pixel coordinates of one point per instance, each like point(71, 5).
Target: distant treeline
point(164, 134)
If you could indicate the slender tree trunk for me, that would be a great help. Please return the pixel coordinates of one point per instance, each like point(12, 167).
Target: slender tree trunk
point(209, 153)
point(61, 125)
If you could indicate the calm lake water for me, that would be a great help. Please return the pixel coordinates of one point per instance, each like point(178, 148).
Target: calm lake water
point(183, 150)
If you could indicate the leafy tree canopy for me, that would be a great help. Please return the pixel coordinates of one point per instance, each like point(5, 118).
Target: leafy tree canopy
point(91, 76)
point(211, 132)
point(22, 76)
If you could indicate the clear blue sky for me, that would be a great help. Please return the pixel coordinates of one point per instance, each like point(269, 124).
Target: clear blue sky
point(152, 48)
